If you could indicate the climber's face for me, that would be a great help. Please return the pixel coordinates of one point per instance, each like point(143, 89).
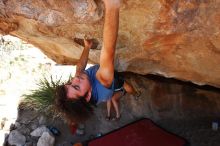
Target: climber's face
point(78, 87)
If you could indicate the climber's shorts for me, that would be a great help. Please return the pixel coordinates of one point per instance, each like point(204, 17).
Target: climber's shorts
point(118, 82)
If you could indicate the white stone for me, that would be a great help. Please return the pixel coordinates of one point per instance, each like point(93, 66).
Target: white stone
point(39, 131)
point(46, 140)
point(16, 138)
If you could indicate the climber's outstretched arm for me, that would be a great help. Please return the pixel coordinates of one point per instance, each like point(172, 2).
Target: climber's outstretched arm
point(105, 74)
point(81, 65)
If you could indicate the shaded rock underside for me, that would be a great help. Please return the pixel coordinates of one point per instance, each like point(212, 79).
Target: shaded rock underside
point(176, 39)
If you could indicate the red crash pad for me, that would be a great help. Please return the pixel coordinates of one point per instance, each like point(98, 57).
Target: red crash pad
point(143, 132)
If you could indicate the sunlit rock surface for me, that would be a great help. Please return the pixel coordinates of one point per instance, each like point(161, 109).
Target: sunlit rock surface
point(178, 39)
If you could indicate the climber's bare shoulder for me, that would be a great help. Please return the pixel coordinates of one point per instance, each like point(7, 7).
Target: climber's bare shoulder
point(105, 73)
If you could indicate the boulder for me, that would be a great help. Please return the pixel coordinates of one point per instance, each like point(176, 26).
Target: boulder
point(46, 140)
point(39, 131)
point(175, 39)
point(16, 138)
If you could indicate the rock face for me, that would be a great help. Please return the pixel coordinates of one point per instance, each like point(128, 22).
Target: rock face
point(177, 39)
point(172, 99)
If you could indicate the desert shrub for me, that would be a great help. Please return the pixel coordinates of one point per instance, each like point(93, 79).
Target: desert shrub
point(43, 97)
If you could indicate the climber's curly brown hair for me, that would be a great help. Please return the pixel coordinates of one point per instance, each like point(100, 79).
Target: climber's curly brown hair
point(73, 110)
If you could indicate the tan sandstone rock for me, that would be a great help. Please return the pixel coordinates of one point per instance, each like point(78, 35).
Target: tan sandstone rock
point(176, 39)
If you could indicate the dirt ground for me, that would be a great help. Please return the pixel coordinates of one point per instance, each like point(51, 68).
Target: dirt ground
point(198, 132)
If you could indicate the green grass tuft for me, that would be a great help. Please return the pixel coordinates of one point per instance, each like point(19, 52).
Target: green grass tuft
point(42, 99)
